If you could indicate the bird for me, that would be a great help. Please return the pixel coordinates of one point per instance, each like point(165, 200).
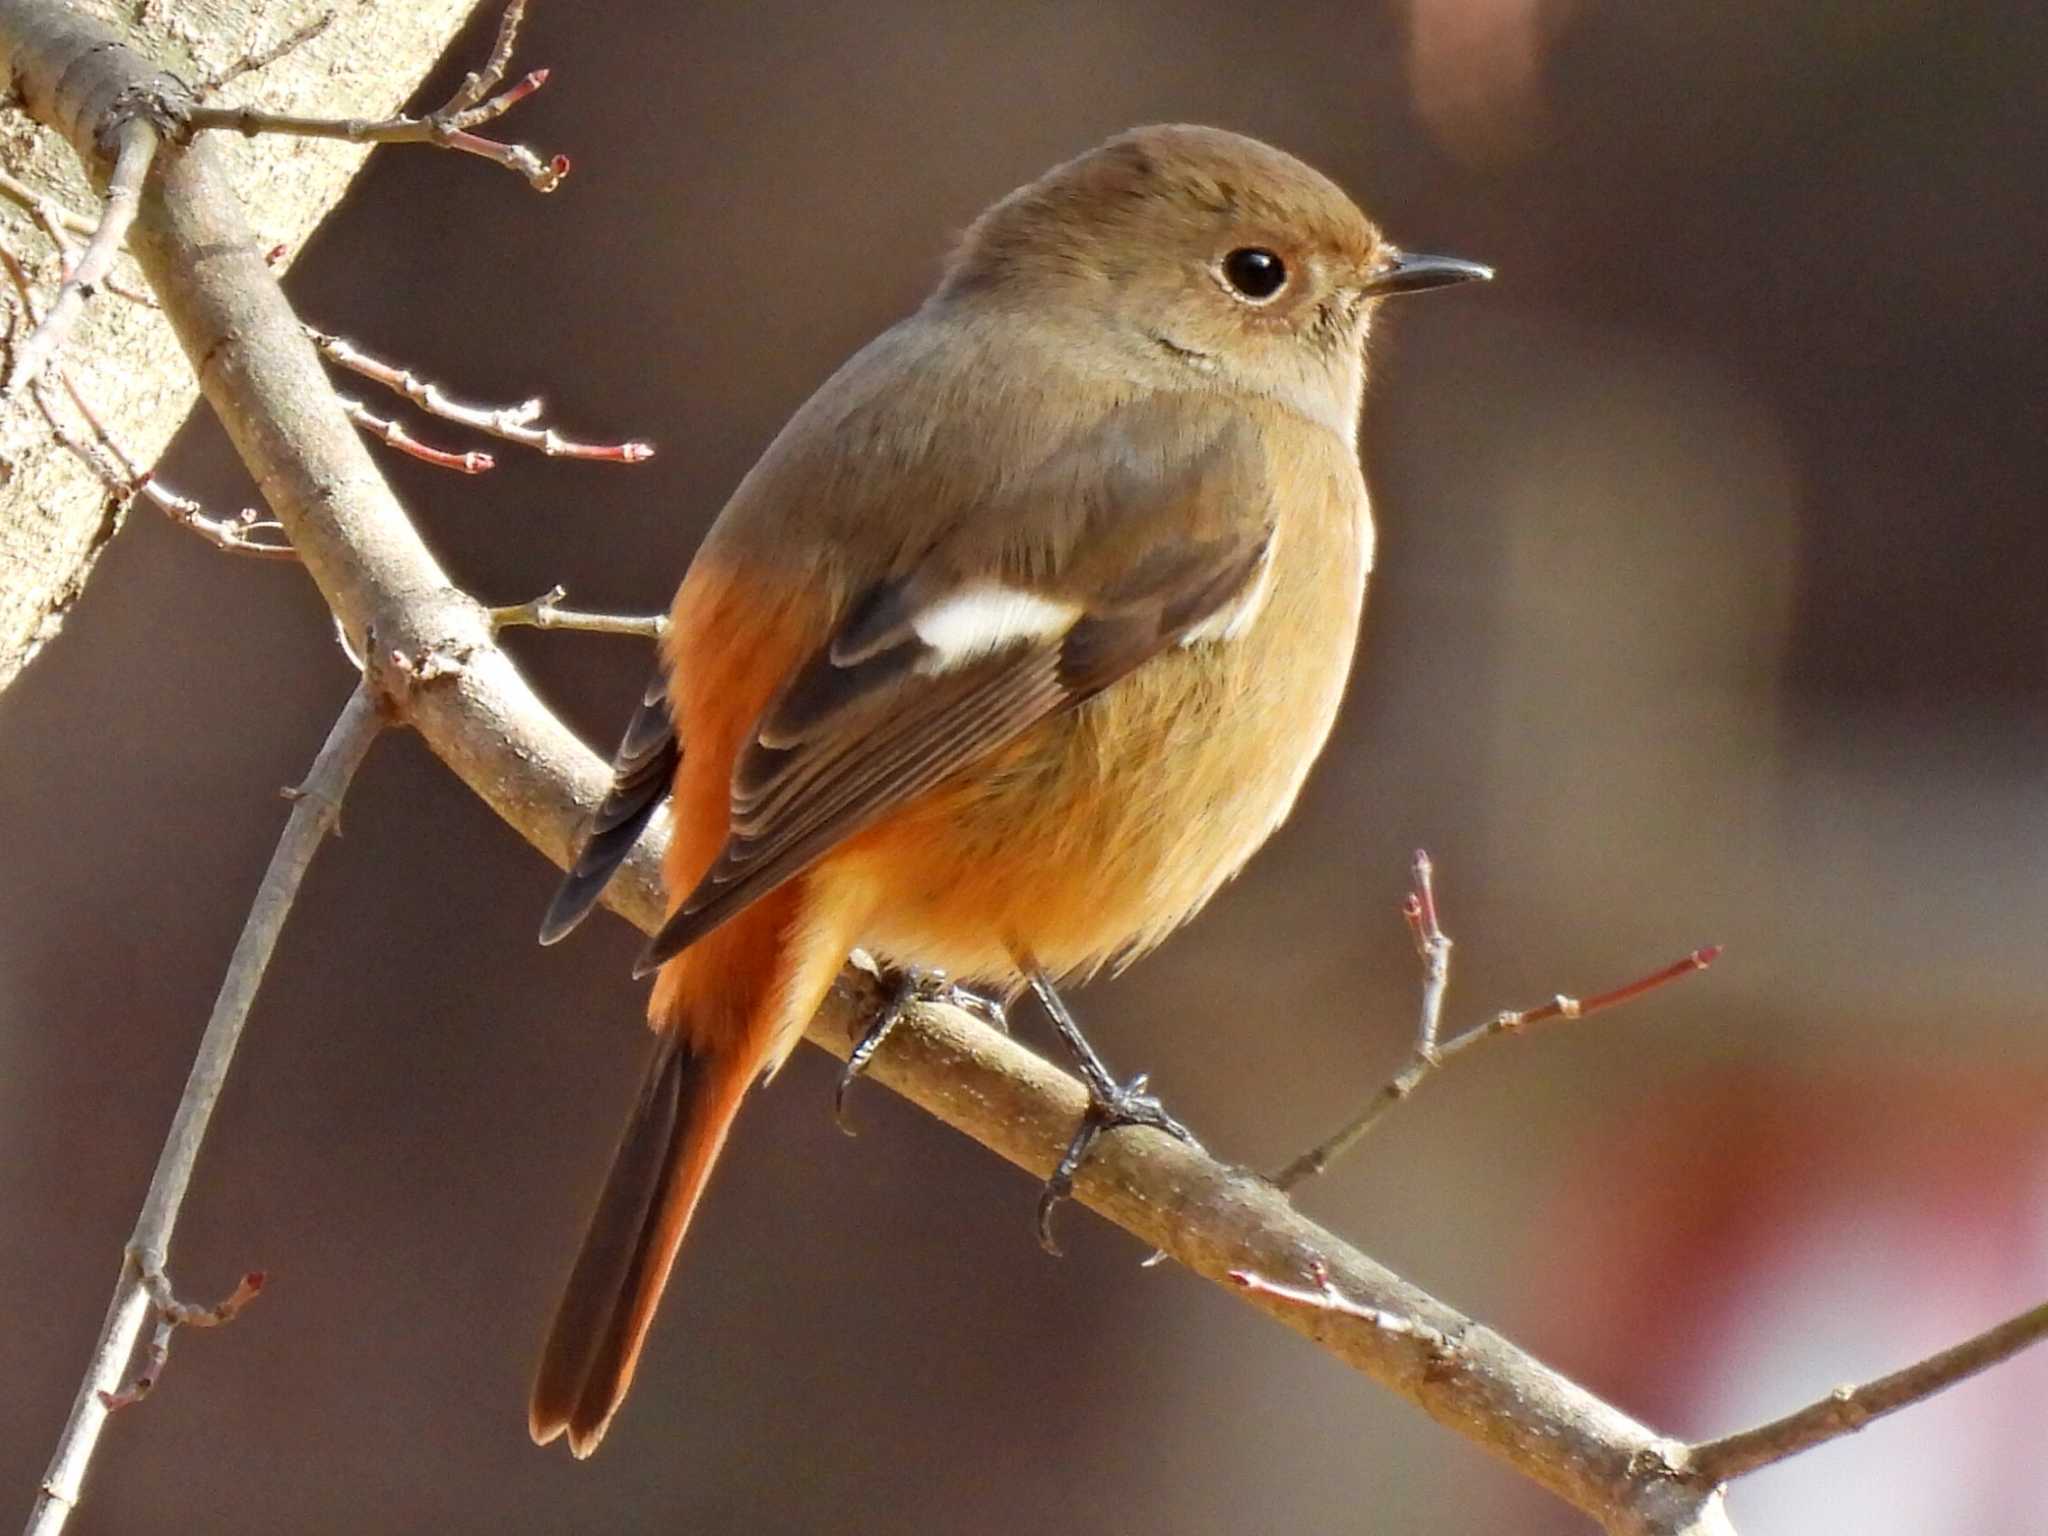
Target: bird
point(1015, 645)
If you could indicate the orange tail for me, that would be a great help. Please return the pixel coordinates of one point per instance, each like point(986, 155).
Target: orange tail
point(686, 1106)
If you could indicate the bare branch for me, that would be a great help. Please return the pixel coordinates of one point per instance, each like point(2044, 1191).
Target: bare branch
point(480, 83)
point(1432, 1055)
point(56, 223)
point(141, 1286)
point(447, 128)
point(1847, 1409)
point(33, 202)
point(249, 63)
point(546, 612)
point(515, 423)
point(138, 144)
point(392, 434)
point(248, 532)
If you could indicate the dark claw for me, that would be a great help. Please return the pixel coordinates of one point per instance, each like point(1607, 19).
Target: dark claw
point(1125, 1104)
point(863, 1052)
point(908, 987)
point(1110, 1104)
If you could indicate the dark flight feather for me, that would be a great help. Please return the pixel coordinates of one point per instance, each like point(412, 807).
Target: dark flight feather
point(643, 768)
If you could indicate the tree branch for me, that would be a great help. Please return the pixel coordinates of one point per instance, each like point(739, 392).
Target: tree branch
point(448, 127)
point(1847, 1409)
point(1431, 1053)
point(142, 1284)
point(515, 423)
point(55, 516)
point(137, 138)
point(547, 612)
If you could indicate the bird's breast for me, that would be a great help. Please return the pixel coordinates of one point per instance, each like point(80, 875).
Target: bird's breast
point(1097, 833)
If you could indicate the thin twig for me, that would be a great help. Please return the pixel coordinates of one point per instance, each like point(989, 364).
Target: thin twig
point(143, 1262)
point(515, 423)
point(248, 532)
point(1847, 1409)
point(480, 83)
point(448, 127)
point(546, 612)
point(249, 63)
point(138, 141)
point(391, 432)
point(1434, 945)
point(1431, 1053)
point(52, 220)
point(171, 1315)
point(31, 201)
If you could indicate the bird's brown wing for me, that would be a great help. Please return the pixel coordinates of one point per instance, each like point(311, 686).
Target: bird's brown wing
point(945, 662)
point(643, 768)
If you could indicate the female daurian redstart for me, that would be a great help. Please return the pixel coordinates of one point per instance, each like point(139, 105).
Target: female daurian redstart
point(1016, 644)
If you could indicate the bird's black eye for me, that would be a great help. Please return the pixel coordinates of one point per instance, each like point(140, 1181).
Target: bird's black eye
point(1255, 272)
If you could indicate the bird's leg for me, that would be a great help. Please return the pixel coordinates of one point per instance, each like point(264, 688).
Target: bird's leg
point(1110, 1105)
point(905, 987)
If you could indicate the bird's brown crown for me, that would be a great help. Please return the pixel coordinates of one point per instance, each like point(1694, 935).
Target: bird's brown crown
point(1166, 189)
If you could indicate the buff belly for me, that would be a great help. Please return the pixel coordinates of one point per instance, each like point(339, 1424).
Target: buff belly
point(1103, 830)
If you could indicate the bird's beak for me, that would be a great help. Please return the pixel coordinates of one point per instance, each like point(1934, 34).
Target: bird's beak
point(1412, 274)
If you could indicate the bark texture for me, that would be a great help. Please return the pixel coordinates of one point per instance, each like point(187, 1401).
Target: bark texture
point(55, 515)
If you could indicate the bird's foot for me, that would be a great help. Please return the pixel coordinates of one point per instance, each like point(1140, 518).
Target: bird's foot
point(906, 988)
point(1111, 1106)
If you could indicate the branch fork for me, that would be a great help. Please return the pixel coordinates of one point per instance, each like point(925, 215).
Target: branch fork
point(450, 126)
point(1431, 1053)
point(171, 1315)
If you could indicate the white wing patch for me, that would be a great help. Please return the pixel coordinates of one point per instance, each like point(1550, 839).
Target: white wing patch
point(1232, 620)
point(979, 618)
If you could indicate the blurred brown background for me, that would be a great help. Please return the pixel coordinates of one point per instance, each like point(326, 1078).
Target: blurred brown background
point(1710, 608)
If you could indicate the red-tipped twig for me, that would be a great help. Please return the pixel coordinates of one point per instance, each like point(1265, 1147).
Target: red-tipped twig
point(448, 127)
point(514, 423)
point(392, 434)
point(1433, 945)
point(1430, 1054)
point(171, 1315)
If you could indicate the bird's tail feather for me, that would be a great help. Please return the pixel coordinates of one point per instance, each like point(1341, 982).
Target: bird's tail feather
point(686, 1107)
